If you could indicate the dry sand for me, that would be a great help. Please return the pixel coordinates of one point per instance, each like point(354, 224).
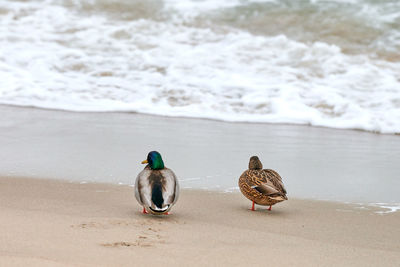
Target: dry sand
point(54, 223)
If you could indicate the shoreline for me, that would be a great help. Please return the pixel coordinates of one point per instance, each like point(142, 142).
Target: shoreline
point(55, 223)
point(379, 207)
point(315, 163)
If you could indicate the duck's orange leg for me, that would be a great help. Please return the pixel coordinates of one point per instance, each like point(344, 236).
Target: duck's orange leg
point(252, 207)
point(270, 207)
point(144, 211)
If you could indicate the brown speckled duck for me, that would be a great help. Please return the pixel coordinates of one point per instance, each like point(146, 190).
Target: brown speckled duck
point(261, 186)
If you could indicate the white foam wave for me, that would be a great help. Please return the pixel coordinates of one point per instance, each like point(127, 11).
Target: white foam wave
point(55, 57)
point(388, 207)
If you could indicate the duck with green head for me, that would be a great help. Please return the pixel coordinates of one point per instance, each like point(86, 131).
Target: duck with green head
point(156, 187)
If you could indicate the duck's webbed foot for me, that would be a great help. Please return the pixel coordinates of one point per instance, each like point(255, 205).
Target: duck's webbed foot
point(144, 211)
point(270, 207)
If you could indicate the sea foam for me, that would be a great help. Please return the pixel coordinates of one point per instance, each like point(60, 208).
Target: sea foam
point(64, 55)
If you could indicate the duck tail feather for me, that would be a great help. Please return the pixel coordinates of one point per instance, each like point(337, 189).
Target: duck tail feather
point(156, 195)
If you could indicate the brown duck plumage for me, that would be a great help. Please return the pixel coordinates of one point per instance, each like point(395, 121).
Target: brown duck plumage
point(262, 186)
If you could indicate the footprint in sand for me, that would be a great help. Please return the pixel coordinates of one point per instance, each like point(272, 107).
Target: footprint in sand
point(88, 225)
point(148, 237)
point(150, 231)
point(141, 241)
point(137, 243)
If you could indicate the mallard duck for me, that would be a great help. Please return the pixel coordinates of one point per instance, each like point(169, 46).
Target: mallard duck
point(156, 187)
point(261, 186)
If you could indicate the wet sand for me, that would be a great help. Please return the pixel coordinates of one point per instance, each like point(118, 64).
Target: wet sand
point(53, 223)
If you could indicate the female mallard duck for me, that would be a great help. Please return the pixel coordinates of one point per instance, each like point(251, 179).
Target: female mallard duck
point(156, 187)
point(261, 186)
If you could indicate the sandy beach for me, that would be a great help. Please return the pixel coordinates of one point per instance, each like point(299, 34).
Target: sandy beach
point(54, 223)
point(68, 209)
point(88, 88)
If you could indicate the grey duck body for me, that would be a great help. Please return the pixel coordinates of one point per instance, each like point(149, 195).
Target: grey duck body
point(157, 190)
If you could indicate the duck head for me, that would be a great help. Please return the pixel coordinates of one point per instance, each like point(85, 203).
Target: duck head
point(154, 160)
point(255, 163)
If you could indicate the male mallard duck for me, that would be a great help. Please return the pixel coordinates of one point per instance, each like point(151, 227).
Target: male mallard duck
point(156, 187)
point(262, 186)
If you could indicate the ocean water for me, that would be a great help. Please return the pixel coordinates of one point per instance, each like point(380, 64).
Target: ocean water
point(324, 63)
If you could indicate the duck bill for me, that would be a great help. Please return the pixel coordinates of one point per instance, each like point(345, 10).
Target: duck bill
point(145, 161)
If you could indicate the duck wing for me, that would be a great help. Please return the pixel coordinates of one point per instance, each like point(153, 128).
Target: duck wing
point(265, 189)
point(275, 179)
point(170, 186)
point(258, 180)
point(143, 188)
